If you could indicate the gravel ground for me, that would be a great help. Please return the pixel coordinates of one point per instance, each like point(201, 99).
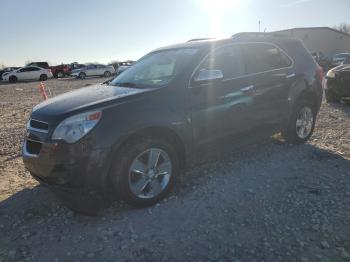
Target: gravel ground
point(265, 202)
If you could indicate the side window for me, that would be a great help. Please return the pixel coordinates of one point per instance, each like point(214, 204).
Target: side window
point(34, 69)
point(25, 69)
point(263, 57)
point(228, 59)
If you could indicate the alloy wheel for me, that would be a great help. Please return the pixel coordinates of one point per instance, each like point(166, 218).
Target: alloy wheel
point(304, 123)
point(150, 173)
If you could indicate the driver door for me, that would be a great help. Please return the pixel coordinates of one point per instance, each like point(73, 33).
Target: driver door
point(223, 106)
point(23, 74)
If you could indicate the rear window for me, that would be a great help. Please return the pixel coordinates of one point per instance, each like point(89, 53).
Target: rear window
point(264, 57)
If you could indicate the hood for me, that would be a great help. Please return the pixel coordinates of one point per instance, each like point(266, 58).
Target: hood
point(80, 99)
point(342, 68)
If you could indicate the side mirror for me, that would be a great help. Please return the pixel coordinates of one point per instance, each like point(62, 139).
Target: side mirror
point(206, 75)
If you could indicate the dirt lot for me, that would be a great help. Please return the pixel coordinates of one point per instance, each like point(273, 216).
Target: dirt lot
point(268, 202)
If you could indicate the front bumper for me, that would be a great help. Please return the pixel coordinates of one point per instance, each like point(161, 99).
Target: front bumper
point(339, 86)
point(74, 168)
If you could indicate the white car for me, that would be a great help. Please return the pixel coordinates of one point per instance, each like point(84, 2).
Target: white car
point(123, 66)
point(93, 70)
point(338, 59)
point(27, 73)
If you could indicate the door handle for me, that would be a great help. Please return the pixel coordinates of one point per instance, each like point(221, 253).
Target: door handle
point(290, 76)
point(248, 89)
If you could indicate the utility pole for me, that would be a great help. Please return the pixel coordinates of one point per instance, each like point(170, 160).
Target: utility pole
point(259, 25)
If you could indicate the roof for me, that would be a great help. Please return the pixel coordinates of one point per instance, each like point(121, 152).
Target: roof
point(311, 28)
point(240, 37)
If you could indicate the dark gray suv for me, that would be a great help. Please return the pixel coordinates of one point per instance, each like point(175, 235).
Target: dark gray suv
point(133, 134)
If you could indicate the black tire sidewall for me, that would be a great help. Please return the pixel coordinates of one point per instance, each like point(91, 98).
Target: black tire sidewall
point(82, 75)
point(13, 79)
point(120, 170)
point(43, 77)
point(290, 133)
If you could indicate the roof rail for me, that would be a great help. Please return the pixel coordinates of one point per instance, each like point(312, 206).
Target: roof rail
point(199, 39)
point(257, 34)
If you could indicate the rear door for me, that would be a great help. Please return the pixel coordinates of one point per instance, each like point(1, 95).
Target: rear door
point(100, 69)
point(34, 73)
point(221, 107)
point(91, 70)
point(271, 74)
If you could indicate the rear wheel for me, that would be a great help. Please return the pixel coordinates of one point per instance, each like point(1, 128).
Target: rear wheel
point(43, 77)
point(107, 74)
point(60, 75)
point(13, 79)
point(82, 75)
point(331, 97)
point(145, 172)
point(301, 123)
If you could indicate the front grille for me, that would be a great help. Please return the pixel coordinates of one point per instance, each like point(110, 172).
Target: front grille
point(33, 147)
point(39, 125)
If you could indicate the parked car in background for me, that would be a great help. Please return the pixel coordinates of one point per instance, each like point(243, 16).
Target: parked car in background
point(346, 61)
point(323, 61)
point(44, 65)
point(337, 84)
point(7, 70)
point(338, 59)
point(93, 70)
point(123, 66)
point(75, 65)
point(60, 71)
point(28, 73)
point(133, 135)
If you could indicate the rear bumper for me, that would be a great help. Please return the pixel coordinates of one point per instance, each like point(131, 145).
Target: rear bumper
point(71, 169)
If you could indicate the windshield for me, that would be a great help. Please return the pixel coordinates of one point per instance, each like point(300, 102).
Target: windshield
point(347, 61)
point(156, 69)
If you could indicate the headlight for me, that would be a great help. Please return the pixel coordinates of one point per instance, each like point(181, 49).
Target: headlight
point(75, 127)
point(330, 74)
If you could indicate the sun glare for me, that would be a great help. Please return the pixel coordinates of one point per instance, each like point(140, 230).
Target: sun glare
point(216, 10)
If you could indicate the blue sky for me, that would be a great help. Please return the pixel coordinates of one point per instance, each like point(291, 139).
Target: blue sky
point(104, 30)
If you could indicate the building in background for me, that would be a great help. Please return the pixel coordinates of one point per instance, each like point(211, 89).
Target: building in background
point(321, 39)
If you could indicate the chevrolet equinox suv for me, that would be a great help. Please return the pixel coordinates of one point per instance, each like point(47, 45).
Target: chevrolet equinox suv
point(133, 134)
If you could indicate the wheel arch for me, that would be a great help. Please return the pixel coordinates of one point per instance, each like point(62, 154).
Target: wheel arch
point(161, 132)
point(303, 90)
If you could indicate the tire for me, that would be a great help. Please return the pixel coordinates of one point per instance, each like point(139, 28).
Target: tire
point(107, 74)
point(82, 76)
point(293, 133)
point(43, 77)
point(60, 74)
point(331, 97)
point(148, 181)
point(13, 79)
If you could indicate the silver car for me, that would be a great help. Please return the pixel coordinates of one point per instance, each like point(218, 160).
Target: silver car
point(93, 70)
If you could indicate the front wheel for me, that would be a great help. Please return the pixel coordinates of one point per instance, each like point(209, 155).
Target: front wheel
point(107, 74)
point(82, 75)
point(145, 171)
point(13, 79)
point(301, 124)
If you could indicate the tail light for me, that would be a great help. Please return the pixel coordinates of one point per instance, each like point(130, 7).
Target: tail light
point(320, 73)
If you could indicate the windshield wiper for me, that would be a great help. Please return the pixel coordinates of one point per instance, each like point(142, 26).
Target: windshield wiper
point(125, 84)
point(107, 82)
